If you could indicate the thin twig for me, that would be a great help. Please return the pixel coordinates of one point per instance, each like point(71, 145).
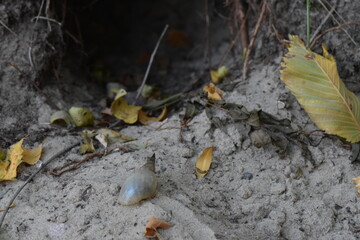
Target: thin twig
point(33, 175)
point(46, 18)
point(251, 44)
point(150, 63)
point(322, 23)
point(330, 30)
point(47, 11)
point(346, 32)
point(231, 46)
point(73, 165)
point(9, 29)
point(207, 52)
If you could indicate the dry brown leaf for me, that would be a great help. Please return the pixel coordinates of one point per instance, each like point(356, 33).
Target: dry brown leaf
point(203, 163)
point(177, 38)
point(214, 93)
point(153, 225)
point(144, 118)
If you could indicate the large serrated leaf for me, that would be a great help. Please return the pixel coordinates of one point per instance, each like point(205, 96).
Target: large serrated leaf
point(315, 82)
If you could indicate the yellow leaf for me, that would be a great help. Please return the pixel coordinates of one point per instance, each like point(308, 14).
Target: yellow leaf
point(60, 117)
point(214, 76)
point(2, 154)
point(31, 156)
point(87, 146)
point(203, 163)
point(357, 182)
point(4, 164)
point(122, 110)
point(214, 93)
point(315, 82)
point(218, 75)
point(14, 156)
point(81, 116)
point(144, 118)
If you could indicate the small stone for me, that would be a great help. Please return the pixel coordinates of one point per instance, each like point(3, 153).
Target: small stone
point(247, 176)
point(277, 188)
point(210, 203)
point(245, 192)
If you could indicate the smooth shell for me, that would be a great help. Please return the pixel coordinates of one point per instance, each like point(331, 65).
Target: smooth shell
point(140, 185)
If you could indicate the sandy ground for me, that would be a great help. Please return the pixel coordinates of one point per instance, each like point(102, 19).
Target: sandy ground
point(276, 203)
point(249, 192)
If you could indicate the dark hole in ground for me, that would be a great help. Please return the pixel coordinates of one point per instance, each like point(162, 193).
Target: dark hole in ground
point(113, 40)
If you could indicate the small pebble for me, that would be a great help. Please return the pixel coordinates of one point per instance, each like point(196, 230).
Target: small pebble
point(245, 192)
point(247, 176)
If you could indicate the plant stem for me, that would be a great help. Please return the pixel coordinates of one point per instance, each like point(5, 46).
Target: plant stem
point(307, 23)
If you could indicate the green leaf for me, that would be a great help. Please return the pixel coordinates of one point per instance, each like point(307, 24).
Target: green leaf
point(81, 116)
point(315, 82)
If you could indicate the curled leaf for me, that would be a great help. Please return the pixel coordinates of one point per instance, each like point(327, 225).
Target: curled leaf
point(111, 136)
point(122, 110)
point(315, 82)
point(144, 118)
point(81, 116)
point(213, 92)
point(203, 163)
point(60, 117)
point(14, 157)
point(31, 156)
point(153, 225)
point(87, 146)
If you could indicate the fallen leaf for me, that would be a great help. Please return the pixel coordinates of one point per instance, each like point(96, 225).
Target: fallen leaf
point(357, 182)
point(14, 157)
point(214, 93)
point(12, 205)
point(31, 156)
point(203, 163)
point(191, 109)
point(144, 118)
point(87, 146)
point(315, 82)
point(81, 116)
point(177, 38)
point(60, 117)
point(113, 136)
point(218, 75)
point(152, 226)
point(122, 110)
